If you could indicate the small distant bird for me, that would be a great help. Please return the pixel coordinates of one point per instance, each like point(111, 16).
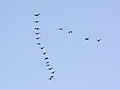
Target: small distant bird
point(53, 72)
point(69, 32)
point(46, 58)
point(42, 47)
point(38, 38)
point(86, 38)
point(37, 28)
point(47, 65)
point(44, 53)
point(50, 78)
point(50, 68)
point(37, 33)
point(47, 62)
point(99, 40)
point(36, 21)
point(38, 43)
point(60, 29)
point(36, 14)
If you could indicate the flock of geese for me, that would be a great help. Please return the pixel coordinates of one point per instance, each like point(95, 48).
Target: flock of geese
point(37, 33)
point(61, 29)
point(44, 53)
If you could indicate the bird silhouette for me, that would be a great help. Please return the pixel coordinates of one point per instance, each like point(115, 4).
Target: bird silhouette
point(37, 28)
point(46, 58)
point(47, 62)
point(38, 43)
point(37, 33)
point(50, 78)
point(38, 38)
point(60, 29)
point(53, 72)
point(36, 14)
point(36, 21)
point(50, 68)
point(42, 47)
point(69, 32)
point(99, 40)
point(44, 53)
point(86, 38)
point(47, 65)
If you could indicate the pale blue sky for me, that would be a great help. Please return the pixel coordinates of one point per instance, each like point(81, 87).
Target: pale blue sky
point(79, 64)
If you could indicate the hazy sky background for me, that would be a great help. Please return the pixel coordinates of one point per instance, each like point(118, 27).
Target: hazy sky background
point(79, 64)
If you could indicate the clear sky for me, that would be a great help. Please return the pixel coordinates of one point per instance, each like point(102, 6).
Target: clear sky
point(79, 64)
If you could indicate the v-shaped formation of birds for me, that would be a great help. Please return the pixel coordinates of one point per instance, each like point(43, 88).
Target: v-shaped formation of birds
point(37, 33)
point(46, 59)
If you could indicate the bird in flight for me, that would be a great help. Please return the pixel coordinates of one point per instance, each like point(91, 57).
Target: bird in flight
point(99, 40)
point(37, 28)
point(36, 21)
point(46, 58)
point(47, 62)
point(69, 32)
point(50, 78)
point(37, 33)
point(86, 38)
point(53, 72)
point(44, 53)
point(47, 65)
point(50, 68)
point(38, 38)
point(38, 43)
point(36, 14)
point(60, 29)
point(42, 47)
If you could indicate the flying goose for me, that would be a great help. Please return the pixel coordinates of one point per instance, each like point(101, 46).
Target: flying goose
point(50, 68)
point(47, 62)
point(99, 40)
point(44, 53)
point(37, 33)
point(42, 47)
point(46, 58)
point(38, 38)
point(69, 32)
point(60, 29)
point(53, 72)
point(36, 21)
point(38, 43)
point(50, 78)
point(86, 38)
point(36, 14)
point(47, 65)
point(37, 28)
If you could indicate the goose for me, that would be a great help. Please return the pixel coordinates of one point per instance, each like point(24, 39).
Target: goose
point(53, 72)
point(86, 38)
point(50, 68)
point(37, 33)
point(42, 47)
point(37, 28)
point(36, 14)
point(47, 62)
point(50, 78)
point(47, 65)
point(44, 53)
point(60, 29)
point(38, 43)
point(69, 32)
point(46, 58)
point(99, 40)
point(36, 21)
point(38, 38)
